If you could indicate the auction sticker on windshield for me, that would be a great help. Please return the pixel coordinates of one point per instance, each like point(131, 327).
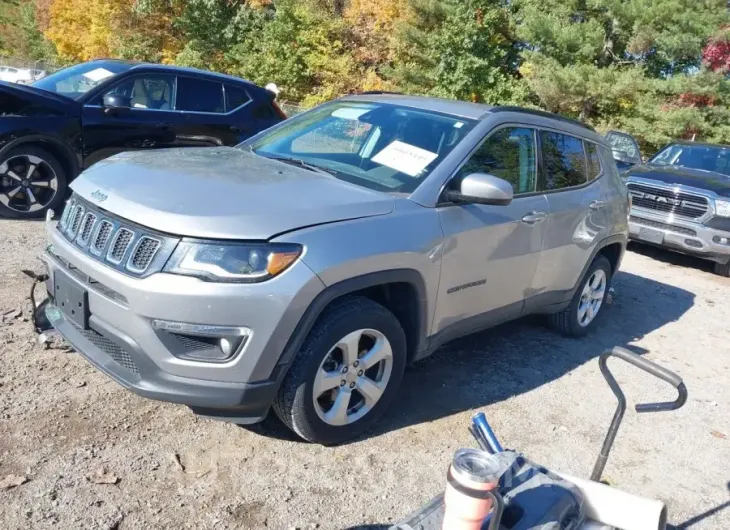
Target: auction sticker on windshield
point(98, 74)
point(405, 158)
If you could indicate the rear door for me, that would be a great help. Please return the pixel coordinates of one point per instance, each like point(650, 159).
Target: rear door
point(578, 217)
point(202, 117)
point(491, 253)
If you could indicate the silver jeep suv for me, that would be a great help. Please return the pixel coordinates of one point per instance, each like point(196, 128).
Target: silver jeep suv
point(306, 267)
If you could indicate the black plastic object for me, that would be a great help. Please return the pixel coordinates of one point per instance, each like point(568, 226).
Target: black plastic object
point(649, 367)
point(40, 322)
point(534, 498)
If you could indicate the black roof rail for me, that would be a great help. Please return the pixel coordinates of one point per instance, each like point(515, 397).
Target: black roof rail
point(542, 113)
point(378, 92)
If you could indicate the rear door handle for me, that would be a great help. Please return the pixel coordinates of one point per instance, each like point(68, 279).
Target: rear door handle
point(534, 218)
point(163, 125)
point(596, 205)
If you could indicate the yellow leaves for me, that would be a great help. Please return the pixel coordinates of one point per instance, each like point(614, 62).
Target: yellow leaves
point(82, 29)
point(527, 69)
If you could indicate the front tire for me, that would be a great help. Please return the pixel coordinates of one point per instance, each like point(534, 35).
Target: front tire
point(722, 269)
point(346, 374)
point(580, 317)
point(32, 181)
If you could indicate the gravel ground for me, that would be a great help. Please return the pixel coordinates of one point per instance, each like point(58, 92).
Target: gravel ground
point(61, 421)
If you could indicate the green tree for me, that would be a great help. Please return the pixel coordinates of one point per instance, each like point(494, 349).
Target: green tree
point(461, 49)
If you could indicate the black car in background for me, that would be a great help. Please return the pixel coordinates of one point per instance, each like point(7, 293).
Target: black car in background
point(54, 128)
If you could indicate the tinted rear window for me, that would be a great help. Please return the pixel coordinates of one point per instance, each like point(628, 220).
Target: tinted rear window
point(564, 160)
point(235, 97)
point(199, 95)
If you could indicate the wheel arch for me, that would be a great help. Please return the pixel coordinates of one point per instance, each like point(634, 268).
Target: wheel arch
point(58, 148)
point(402, 291)
point(613, 248)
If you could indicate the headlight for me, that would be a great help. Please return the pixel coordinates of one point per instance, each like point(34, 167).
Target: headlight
point(232, 262)
point(722, 208)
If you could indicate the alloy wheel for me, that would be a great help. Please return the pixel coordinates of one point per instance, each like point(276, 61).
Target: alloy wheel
point(27, 183)
point(352, 377)
point(592, 297)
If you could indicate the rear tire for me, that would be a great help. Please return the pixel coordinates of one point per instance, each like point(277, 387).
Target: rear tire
point(333, 392)
point(32, 181)
point(573, 321)
point(723, 269)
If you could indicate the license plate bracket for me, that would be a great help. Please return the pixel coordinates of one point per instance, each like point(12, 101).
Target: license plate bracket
point(72, 300)
point(651, 235)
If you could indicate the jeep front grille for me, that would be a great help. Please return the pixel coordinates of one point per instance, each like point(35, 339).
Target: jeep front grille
point(115, 242)
point(668, 201)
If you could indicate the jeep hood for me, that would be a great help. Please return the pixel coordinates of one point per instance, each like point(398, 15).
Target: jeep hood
point(683, 176)
point(222, 193)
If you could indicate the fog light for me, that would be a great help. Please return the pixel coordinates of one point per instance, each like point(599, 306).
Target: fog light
point(200, 342)
point(721, 240)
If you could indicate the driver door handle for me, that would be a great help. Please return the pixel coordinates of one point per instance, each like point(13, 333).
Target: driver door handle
point(534, 218)
point(596, 205)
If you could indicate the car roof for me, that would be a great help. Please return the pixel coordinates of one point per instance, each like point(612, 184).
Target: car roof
point(478, 111)
point(139, 65)
point(464, 109)
point(689, 143)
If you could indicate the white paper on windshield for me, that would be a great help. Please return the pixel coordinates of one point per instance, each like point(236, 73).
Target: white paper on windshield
point(405, 158)
point(98, 74)
point(350, 113)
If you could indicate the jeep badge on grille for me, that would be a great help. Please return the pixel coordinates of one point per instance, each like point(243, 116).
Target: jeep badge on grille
point(99, 196)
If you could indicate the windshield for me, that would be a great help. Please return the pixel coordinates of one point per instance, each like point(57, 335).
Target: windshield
point(378, 146)
point(702, 157)
point(76, 80)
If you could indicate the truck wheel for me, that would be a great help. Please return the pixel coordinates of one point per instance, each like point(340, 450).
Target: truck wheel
point(346, 373)
point(581, 315)
point(723, 269)
point(31, 181)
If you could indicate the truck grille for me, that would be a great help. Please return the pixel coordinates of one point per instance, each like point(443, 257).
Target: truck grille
point(115, 242)
point(669, 201)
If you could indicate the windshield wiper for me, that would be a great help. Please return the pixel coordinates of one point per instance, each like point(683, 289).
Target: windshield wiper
point(301, 163)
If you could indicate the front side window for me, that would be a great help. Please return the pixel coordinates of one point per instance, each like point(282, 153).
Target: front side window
point(508, 154)
point(702, 157)
point(151, 91)
point(199, 95)
point(564, 160)
point(379, 146)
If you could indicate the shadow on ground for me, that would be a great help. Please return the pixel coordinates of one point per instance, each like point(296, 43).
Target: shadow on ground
point(672, 258)
point(517, 357)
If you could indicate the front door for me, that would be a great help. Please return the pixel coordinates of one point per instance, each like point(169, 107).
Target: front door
point(490, 253)
point(578, 212)
point(147, 124)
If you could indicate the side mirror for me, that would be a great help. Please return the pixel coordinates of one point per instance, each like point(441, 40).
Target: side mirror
point(481, 188)
point(116, 102)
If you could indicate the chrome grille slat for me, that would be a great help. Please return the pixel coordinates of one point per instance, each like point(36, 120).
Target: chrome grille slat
point(86, 228)
point(115, 242)
point(119, 245)
point(668, 201)
point(143, 254)
point(101, 237)
point(74, 221)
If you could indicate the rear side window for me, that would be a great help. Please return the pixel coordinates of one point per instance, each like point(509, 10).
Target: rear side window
point(594, 162)
point(235, 97)
point(564, 161)
point(199, 95)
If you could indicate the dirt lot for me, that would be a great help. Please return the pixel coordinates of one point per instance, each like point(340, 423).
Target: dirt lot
point(61, 421)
